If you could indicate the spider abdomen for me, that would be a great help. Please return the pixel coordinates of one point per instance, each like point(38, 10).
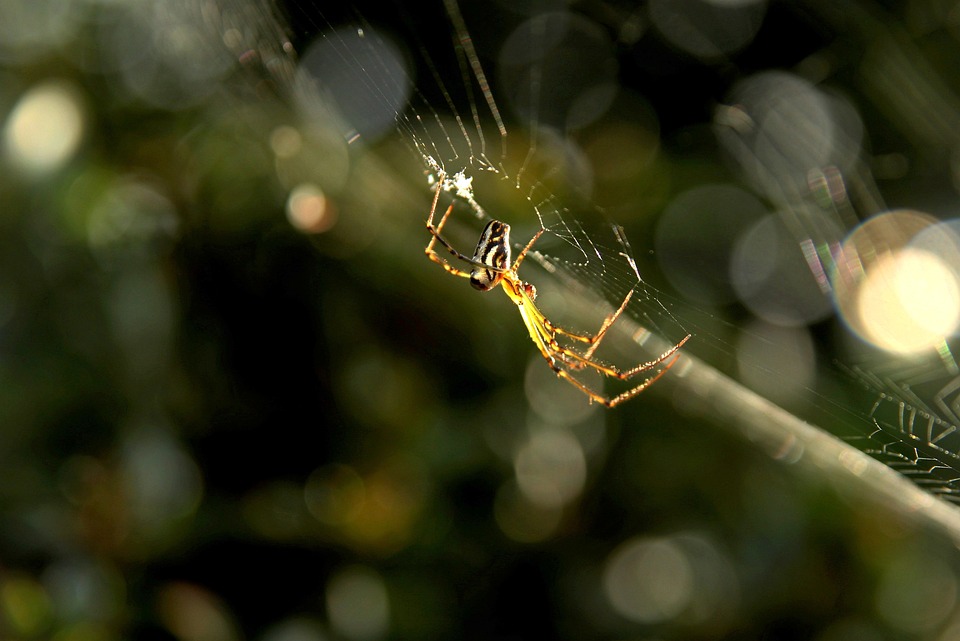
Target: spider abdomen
point(493, 249)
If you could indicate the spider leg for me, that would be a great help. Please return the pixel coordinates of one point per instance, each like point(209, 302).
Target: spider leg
point(586, 359)
point(435, 236)
point(616, 400)
point(579, 361)
point(433, 207)
point(594, 340)
point(607, 322)
point(435, 230)
point(544, 341)
point(596, 396)
point(626, 396)
point(555, 354)
point(593, 396)
point(547, 332)
point(642, 367)
point(523, 252)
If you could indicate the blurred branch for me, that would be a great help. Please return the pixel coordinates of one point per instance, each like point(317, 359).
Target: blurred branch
point(789, 438)
point(714, 396)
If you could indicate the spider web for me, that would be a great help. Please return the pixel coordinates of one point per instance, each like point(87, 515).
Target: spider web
point(517, 168)
point(914, 412)
point(436, 78)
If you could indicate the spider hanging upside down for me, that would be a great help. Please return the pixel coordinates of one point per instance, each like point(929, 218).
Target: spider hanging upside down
point(490, 266)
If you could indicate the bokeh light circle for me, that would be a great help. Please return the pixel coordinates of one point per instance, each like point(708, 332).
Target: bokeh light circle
point(909, 301)
point(194, 613)
point(160, 53)
point(899, 296)
point(163, 481)
point(916, 593)
point(941, 239)
point(776, 276)
point(683, 577)
point(695, 238)
point(551, 468)
point(45, 128)
point(358, 604)
point(558, 69)
point(347, 81)
point(648, 580)
point(550, 397)
point(310, 210)
point(779, 128)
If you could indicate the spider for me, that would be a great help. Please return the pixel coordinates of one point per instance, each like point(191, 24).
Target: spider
point(491, 266)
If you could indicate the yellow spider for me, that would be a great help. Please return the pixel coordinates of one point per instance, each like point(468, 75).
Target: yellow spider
point(490, 266)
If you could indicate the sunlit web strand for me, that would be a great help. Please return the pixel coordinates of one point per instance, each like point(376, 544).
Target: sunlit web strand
point(453, 11)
